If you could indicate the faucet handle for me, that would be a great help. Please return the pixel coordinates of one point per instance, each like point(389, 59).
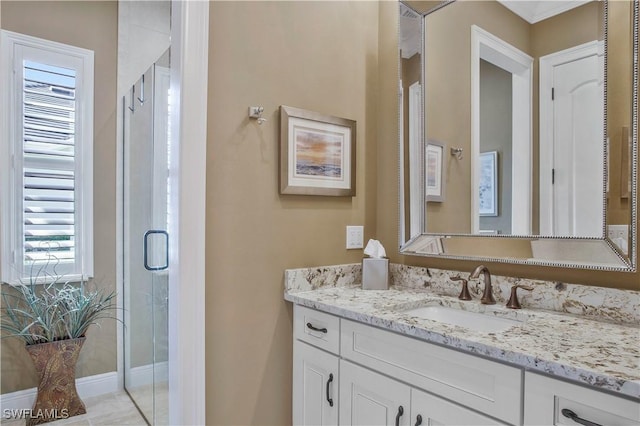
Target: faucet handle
point(464, 293)
point(513, 302)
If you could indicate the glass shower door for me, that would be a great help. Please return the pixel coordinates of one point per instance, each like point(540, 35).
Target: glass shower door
point(146, 165)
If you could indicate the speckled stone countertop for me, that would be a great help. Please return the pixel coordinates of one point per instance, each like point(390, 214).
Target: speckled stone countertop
point(586, 334)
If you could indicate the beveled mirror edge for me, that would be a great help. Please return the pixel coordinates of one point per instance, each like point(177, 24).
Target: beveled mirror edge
point(627, 263)
point(633, 250)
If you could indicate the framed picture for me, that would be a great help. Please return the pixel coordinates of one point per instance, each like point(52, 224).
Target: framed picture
point(317, 153)
point(434, 186)
point(488, 184)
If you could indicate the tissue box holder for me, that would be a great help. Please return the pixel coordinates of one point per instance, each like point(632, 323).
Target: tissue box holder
point(375, 274)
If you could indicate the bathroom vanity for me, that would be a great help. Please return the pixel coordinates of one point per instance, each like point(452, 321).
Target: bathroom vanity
point(417, 355)
point(375, 357)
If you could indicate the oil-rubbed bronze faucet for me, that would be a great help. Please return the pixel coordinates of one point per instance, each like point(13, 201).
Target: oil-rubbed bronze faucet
point(513, 302)
point(487, 296)
point(464, 293)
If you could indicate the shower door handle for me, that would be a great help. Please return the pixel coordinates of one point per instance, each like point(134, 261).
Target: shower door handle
point(145, 250)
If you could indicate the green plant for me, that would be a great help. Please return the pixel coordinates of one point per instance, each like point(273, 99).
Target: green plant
point(42, 313)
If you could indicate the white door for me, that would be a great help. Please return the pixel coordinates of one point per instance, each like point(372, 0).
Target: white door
point(577, 147)
point(371, 399)
point(427, 409)
point(315, 386)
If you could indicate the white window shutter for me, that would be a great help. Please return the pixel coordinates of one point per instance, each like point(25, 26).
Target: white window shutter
point(46, 202)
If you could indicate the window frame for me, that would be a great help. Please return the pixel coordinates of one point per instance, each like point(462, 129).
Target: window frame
point(14, 49)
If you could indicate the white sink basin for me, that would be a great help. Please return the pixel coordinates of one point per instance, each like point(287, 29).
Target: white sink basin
point(471, 320)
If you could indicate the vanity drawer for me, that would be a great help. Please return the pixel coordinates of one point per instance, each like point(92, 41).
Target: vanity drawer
point(545, 398)
point(489, 387)
point(317, 328)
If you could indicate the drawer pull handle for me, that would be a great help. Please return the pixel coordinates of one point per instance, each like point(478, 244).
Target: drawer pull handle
point(400, 413)
point(418, 420)
point(573, 416)
point(321, 330)
point(329, 400)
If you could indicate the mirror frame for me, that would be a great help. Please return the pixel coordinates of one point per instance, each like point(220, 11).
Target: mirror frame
point(628, 263)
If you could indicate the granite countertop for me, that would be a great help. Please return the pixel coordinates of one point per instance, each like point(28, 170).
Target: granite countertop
point(602, 354)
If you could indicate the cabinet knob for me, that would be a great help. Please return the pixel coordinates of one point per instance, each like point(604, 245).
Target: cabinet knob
point(418, 420)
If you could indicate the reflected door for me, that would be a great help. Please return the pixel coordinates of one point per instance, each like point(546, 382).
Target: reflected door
point(146, 163)
point(576, 145)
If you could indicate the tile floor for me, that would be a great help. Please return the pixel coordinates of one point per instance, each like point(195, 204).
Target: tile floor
point(112, 409)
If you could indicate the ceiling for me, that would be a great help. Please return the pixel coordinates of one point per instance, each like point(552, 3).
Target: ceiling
point(536, 11)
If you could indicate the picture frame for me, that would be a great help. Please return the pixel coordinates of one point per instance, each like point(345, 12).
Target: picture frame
point(434, 172)
point(488, 199)
point(317, 153)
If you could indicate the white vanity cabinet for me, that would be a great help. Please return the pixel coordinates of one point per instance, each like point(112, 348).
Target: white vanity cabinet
point(368, 398)
point(553, 402)
point(349, 373)
point(486, 386)
point(315, 385)
point(315, 367)
point(427, 409)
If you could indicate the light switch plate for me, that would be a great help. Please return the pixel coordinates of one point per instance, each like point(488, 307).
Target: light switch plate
point(355, 237)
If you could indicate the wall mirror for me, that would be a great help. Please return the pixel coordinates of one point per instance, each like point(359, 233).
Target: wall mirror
point(518, 131)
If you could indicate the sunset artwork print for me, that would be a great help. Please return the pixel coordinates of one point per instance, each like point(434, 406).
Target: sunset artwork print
point(318, 154)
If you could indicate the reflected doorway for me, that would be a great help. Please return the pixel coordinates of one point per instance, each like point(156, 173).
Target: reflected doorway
point(491, 50)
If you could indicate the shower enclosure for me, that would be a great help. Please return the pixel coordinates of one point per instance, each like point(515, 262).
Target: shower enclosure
point(146, 240)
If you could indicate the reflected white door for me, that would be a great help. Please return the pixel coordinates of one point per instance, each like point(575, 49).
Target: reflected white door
point(577, 147)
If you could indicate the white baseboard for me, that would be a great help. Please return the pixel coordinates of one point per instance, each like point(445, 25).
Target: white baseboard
point(89, 386)
point(143, 375)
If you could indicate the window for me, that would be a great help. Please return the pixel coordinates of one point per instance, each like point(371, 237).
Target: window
point(46, 159)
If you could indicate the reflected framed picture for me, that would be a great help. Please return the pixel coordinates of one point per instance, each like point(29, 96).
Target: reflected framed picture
point(488, 184)
point(434, 185)
point(317, 153)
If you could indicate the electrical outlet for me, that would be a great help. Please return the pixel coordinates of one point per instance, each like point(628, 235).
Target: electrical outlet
point(618, 231)
point(355, 237)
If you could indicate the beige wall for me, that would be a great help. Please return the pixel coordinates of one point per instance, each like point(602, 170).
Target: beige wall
point(91, 25)
point(387, 193)
point(320, 56)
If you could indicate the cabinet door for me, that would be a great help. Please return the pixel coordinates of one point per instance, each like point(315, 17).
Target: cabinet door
point(315, 386)
point(554, 402)
point(427, 409)
point(371, 399)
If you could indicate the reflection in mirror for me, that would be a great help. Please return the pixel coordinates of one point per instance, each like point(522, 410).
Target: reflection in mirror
point(514, 93)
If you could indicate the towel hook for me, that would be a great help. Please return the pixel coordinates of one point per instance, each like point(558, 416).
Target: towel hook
point(132, 106)
point(457, 152)
point(256, 112)
point(141, 97)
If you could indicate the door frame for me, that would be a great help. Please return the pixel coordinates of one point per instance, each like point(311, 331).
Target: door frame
point(545, 115)
point(487, 46)
point(187, 177)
